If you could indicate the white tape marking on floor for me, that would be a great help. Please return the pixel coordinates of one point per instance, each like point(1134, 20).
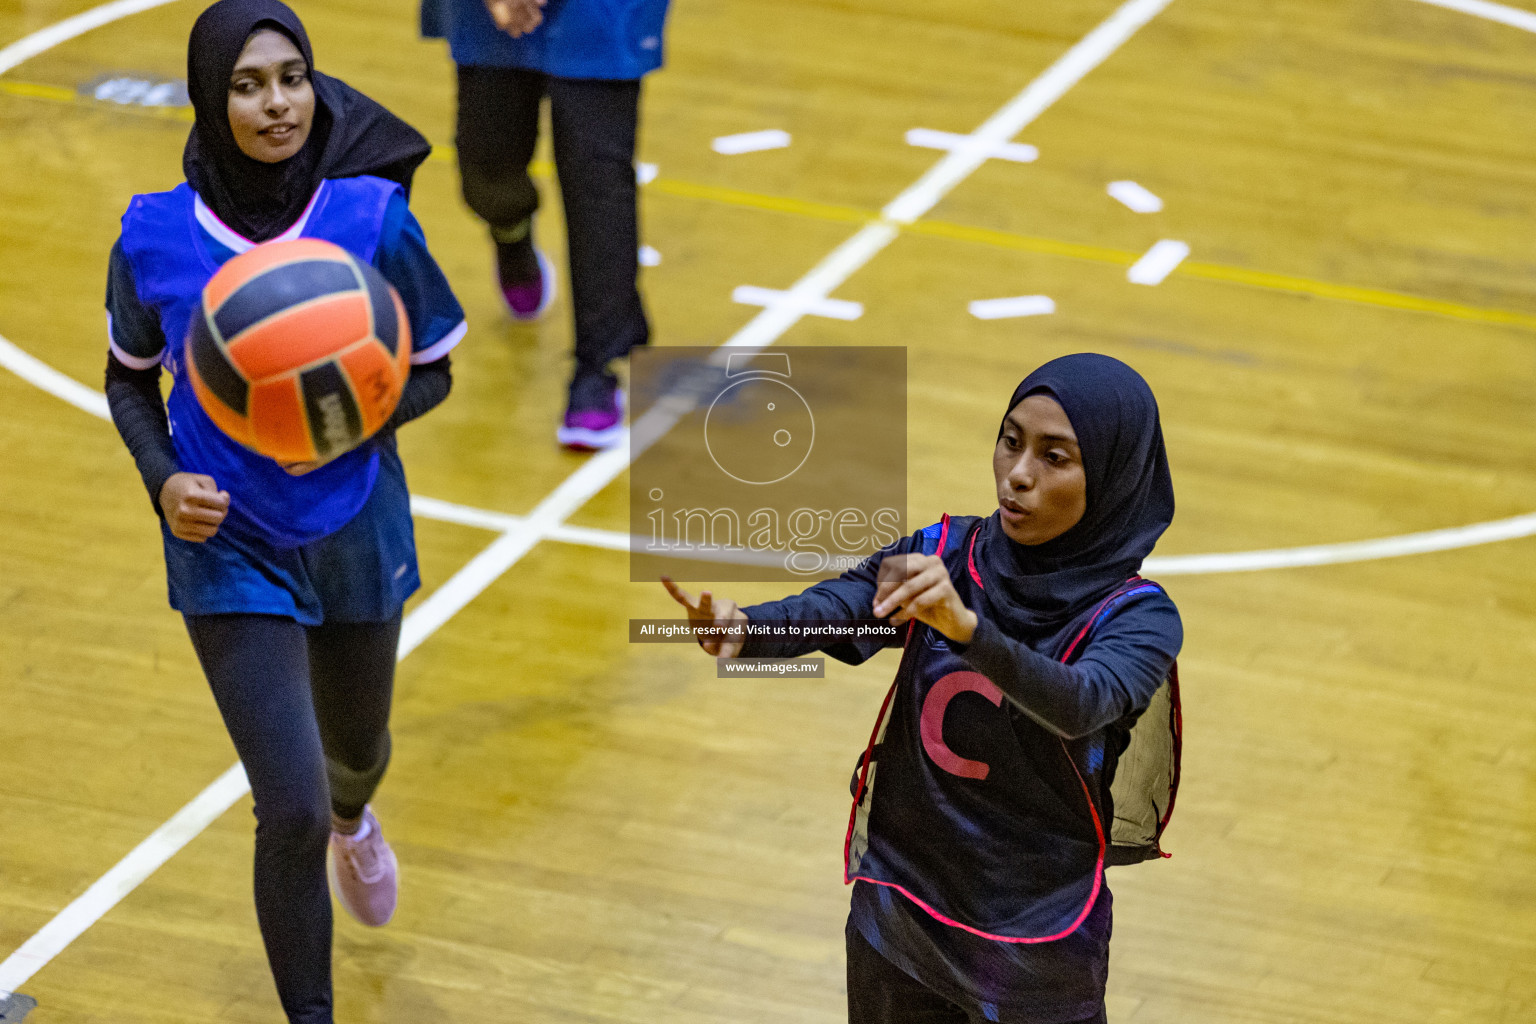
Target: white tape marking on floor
point(927, 138)
point(1036, 99)
point(751, 142)
point(1511, 16)
point(1157, 263)
point(836, 309)
point(1134, 197)
point(604, 467)
point(1018, 305)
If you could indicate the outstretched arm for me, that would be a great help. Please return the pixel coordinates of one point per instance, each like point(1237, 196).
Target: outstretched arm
point(718, 617)
point(848, 598)
point(1125, 662)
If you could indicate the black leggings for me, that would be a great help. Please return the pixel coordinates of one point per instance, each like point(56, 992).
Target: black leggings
point(879, 992)
point(593, 123)
point(308, 710)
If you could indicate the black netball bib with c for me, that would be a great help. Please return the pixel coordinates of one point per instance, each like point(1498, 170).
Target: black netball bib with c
point(979, 815)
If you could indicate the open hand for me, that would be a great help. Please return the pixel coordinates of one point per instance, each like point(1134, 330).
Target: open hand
point(918, 587)
point(706, 611)
point(194, 506)
point(516, 17)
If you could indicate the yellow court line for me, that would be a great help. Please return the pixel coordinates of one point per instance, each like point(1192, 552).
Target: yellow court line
point(1023, 243)
point(1379, 298)
point(59, 94)
point(37, 91)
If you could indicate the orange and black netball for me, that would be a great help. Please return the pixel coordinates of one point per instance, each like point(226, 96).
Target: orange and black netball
point(299, 350)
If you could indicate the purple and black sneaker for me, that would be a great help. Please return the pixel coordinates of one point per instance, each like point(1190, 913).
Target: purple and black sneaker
point(526, 278)
point(594, 417)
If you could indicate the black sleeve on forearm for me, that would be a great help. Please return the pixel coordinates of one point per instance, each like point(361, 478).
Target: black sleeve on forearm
point(1125, 662)
point(138, 412)
point(424, 391)
point(850, 597)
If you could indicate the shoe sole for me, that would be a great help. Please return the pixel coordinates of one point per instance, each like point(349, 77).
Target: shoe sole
point(337, 891)
point(547, 275)
point(583, 440)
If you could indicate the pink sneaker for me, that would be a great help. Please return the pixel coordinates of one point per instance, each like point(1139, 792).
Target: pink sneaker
point(365, 876)
point(592, 430)
point(527, 300)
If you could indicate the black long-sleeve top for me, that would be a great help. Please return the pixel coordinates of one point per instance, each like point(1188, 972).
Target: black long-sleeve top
point(1118, 672)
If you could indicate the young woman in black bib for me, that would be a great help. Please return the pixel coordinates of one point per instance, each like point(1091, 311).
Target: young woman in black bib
point(978, 839)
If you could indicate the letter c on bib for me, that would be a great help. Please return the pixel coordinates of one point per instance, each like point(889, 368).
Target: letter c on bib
point(931, 724)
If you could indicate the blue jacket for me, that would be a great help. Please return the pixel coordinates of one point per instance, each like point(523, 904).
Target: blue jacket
point(612, 39)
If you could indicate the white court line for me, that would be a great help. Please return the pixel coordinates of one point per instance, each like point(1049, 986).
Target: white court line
point(206, 808)
point(39, 374)
point(1158, 262)
point(163, 844)
point(1349, 551)
point(751, 142)
point(1511, 16)
point(45, 39)
point(1425, 542)
point(1017, 305)
point(1134, 196)
point(836, 309)
point(1091, 51)
point(927, 138)
point(484, 569)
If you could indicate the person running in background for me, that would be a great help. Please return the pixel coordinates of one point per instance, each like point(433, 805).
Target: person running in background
point(291, 579)
point(978, 838)
point(588, 57)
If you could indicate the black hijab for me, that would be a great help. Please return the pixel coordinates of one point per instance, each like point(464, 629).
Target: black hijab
point(351, 134)
point(1038, 593)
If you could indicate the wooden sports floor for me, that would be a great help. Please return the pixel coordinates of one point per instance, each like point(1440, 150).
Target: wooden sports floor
point(592, 831)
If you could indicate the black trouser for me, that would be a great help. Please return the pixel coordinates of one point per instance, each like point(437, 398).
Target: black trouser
point(593, 122)
point(879, 992)
point(308, 710)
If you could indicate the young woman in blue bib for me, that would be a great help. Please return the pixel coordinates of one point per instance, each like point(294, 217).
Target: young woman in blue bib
point(290, 578)
point(977, 842)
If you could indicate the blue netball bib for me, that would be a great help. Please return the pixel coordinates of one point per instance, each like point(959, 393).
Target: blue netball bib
point(175, 244)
